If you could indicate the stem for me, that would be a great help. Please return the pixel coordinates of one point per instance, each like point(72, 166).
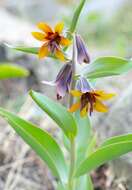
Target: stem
point(72, 165)
point(72, 140)
point(74, 61)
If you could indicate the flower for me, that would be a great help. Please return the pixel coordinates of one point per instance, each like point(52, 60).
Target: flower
point(82, 52)
point(63, 80)
point(89, 99)
point(52, 40)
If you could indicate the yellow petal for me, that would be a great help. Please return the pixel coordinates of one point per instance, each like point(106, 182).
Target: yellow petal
point(101, 95)
point(59, 54)
point(84, 111)
point(38, 36)
point(75, 93)
point(65, 41)
point(44, 27)
point(59, 27)
point(43, 52)
point(74, 107)
point(100, 107)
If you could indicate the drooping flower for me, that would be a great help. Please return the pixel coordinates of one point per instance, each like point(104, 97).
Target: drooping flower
point(52, 40)
point(63, 80)
point(89, 99)
point(82, 51)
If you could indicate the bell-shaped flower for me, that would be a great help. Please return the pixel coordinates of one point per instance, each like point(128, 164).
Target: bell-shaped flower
point(63, 80)
point(82, 51)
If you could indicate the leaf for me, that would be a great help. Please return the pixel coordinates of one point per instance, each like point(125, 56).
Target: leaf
point(12, 71)
point(30, 50)
point(83, 137)
point(84, 183)
point(57, 112)
point(76, 16)
point(103, 155)
point(107, 66)
point(41, 142)
point(117, 139)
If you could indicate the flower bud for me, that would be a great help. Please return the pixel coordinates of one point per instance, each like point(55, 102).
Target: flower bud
point(82, 51)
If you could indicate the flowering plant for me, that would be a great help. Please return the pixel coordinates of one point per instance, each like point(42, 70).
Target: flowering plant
point(72, 170)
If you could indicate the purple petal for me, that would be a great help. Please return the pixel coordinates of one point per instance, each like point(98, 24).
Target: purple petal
point(83, 85)
point(82, 51)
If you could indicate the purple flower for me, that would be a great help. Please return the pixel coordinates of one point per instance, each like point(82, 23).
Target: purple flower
point(82, 52)
point(63, 80)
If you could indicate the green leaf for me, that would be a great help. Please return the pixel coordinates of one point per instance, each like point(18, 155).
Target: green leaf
point(12, 71)
point(107, 66)
point(41, 142)
point(83, 137)
point(84, 183)
point(76, 16)
point(30, 50)
point(117, 139)
point(103, 155)
point(57, 112)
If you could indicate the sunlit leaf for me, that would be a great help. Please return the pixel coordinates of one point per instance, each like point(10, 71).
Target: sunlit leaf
point(57, 112)
point(12, 71)
point(103, 155)
point(107, 66)
point(84, 136)
point(84, 183)
point(117, 139)
point(41, 142)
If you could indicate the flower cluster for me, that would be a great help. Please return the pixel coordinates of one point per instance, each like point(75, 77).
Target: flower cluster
point(88, 98)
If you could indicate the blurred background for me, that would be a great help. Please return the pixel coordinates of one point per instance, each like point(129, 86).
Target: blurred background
point(106, 28)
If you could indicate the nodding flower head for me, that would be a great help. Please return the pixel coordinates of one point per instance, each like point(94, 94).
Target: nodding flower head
point(63, 80)
point(82, 51)
point(89, 99)
point(52, 40)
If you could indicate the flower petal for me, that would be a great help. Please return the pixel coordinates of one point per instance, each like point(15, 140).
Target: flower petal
point(74, 107)
point(38, 36)
point(65, 41)
point(84, 111)
point(43, 52)
point(44, 27)
point(50, 83)
point(60, 55)
point(59, 27)
point(101, 95)
point(100, 107)
point(75, 93)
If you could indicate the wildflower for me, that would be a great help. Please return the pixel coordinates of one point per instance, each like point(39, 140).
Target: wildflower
point(52, 40)
point(89, 99)
point(82, 52)
point(63, 80)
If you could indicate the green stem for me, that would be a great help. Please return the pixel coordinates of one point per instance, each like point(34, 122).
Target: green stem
point(72, 165)
point(72, 140)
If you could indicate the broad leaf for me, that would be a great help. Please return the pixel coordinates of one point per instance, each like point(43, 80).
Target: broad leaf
point(84, 136)
point(12, 71)
point(57, 112)
point(117, 139)
point(41, 142)
point(84, 183)
point(107, 66)
point(103, 155)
